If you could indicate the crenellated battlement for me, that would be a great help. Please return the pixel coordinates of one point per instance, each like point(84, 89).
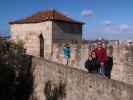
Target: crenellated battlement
point(121, 53)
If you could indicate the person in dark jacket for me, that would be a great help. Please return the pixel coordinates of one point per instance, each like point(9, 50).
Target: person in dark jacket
point(109, 65)
point(92, 64)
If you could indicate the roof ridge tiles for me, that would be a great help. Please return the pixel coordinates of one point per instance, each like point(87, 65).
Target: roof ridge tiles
point(42, 16)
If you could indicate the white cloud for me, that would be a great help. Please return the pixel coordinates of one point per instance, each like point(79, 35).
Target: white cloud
point(107, 22)
point(121, 29)
point(124, 27)
point(111, 29)
point(87, 13)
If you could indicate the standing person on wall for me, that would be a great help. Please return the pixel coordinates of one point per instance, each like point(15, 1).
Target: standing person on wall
point(101, 56)
point(66, 50)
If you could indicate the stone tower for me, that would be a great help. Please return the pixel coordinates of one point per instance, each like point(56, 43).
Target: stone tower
point(40, 31)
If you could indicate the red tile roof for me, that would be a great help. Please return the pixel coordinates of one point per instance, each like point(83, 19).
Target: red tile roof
point(43, 16)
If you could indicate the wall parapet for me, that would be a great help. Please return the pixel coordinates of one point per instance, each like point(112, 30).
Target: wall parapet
point(79, 85)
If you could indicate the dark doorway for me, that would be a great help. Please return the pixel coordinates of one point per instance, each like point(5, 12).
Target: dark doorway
point(41, 45)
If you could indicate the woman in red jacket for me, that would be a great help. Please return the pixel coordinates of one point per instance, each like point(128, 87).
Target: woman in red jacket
point(101, 56)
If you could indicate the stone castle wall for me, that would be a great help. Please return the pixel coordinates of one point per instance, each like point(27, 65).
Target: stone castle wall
point(53, 49)
point(52, 80)
point(76, 55)
point(122, 58)
point(123, 63)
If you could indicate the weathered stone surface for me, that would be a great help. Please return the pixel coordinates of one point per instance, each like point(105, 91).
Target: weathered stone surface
point(64, 31)
point(50, 30)
point(122, 58)
point(79, 84)
point(54, 40)
point(29, 35)
point(123, 63)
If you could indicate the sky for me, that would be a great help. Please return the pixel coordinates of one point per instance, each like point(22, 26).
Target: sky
point(110, 19)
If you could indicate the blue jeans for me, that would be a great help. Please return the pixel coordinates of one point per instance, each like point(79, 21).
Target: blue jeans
point(66, 60)
point(102, 70)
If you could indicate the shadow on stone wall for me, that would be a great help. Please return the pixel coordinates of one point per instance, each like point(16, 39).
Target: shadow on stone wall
point(24, 86)
point(55, 91)
point(16, 79)
point(7, 78)
point(80, 84)
point(13, 86)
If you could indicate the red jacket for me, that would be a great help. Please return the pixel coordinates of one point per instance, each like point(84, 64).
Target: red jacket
point(101, 55)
